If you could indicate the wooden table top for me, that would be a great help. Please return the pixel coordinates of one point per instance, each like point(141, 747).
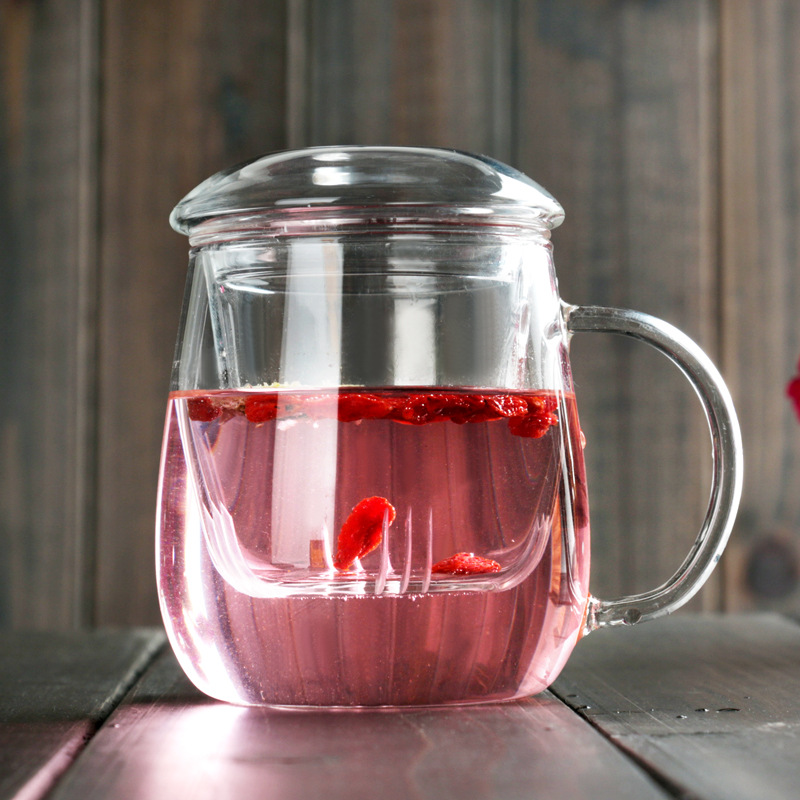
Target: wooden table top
point(694, 706)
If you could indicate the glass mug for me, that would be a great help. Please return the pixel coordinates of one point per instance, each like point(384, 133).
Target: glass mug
point(372, 486)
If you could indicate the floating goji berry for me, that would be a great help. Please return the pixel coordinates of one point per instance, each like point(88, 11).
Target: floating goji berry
point(201, 409)
point(454, 407)
point(531, 426)
point(529, 415)
point(508, 405)
point(470, 408)
point(545, 404)
point(414, 410)
point(311, 406)
point(261, 407)
point(422, 408)
point(354, 406)
point(538, 420)
point(362, 530)
point(466, 564)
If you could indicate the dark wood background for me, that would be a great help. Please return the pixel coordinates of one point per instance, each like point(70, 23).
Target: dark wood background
point(668, 129)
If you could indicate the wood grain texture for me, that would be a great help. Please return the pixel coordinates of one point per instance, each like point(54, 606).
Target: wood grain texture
point(55, 692)
point(668, 130)
point(407, 73)
point(166, 740)
point(760, 207)
point(189, 88)
point(708, 703)
point(47, 221)
point(617, 118)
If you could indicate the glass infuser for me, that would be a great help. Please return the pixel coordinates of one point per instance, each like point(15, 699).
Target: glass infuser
point(372, 485)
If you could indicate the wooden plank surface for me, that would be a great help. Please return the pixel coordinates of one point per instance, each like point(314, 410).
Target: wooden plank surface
point(55, 691)
point(166, 741)
point(711, 704)
point(702, 707)
point(616, 117)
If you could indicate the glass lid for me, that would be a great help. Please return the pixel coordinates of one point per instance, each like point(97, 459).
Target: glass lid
point(395, 186)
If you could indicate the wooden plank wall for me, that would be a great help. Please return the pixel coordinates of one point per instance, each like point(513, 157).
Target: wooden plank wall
point(668, 130)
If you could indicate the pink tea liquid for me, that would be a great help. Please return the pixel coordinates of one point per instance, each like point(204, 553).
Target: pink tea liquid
point(257, 486)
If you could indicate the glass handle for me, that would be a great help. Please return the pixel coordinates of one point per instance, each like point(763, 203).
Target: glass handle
point(726, 483)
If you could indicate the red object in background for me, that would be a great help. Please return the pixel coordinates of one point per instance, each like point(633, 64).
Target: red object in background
point(363, 530)
point(793, 391)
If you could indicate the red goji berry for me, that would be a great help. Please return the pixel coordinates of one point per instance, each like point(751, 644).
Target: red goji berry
point(414, 410)
point(457, 408)
point(311, 406)
point(261, 407)
point(508, 405)
point(531, 426)
point(542, 403)
point(470, 408)
point(538, 419)
point(201, 409)
point(363, 530)
point(354, 406)
point(466, 564)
